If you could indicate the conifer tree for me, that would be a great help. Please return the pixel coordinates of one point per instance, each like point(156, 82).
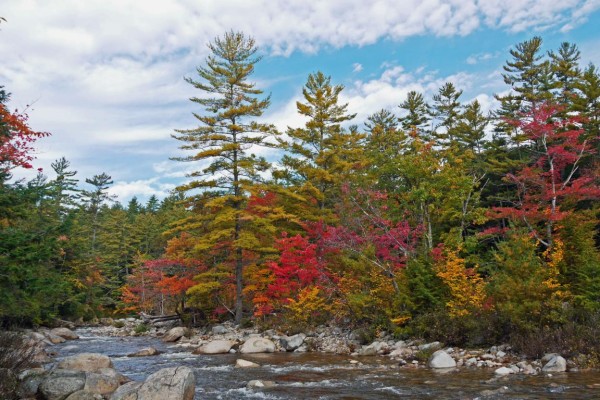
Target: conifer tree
point(227, 134)
point(417, 114)
point(321, 153)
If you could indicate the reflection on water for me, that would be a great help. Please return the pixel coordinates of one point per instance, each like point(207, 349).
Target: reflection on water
point(322, 376)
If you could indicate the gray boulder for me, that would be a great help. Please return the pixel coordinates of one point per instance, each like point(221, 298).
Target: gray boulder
point(441, 359)
point(257, 345)
point(30, 381)
point(100, 384)
point(555, 364)
point(175, 334)
point(84, 395)
point(147, 352)
point(258, 384)
point(89, 362)
point(219, 330)
point(61, 383)
point(176, 383)
point(291, 343)
point(215, 347)
point(128, 391)
point(64, 333)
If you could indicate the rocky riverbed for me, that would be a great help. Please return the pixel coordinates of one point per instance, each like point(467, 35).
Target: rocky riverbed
point(223, 362)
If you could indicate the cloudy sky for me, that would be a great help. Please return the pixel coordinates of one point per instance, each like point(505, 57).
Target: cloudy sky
point(105, 77)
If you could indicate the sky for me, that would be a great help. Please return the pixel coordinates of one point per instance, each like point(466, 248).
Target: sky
point(106, 77)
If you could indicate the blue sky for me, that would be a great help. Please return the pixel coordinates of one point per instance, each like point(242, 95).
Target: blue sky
point(105, 78)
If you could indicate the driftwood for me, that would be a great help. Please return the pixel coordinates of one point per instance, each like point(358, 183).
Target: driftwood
point(152, 319)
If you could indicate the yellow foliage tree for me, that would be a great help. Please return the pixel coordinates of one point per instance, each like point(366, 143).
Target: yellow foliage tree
point(467, 288)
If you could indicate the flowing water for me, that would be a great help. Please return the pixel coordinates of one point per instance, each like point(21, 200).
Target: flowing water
point(323, 376)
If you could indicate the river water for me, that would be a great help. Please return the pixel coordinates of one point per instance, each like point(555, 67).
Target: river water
point(323, 376)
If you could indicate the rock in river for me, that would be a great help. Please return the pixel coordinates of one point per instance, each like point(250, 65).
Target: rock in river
point(441, 359)
point(257, 345)
point(175, 383)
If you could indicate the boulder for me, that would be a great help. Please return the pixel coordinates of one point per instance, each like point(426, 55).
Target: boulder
point(29, 382)
point(100, 384)
point(89, 362)
point(8, 381)
point(257, 345)
point(239, 363)
point(114, 374)
point(61, 383)
point(555, 364)
point(441, 359)
point(84, 395)
point(64, 333)
point(147, 352)
point(175, 383)
point(128, 391)
point(175, 334)
point(219, 330)
point(503, 371)
point(256, 383)
point(215, 347)
point(291, 343)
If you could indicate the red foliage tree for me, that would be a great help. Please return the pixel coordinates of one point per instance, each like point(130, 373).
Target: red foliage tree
point(16, 139)
point(160, 285)
point(551, 185)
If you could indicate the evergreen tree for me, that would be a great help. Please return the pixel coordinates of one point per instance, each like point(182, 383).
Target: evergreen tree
point(446, 112)
point(322, 153)
point(417, 115)
point(227, 133)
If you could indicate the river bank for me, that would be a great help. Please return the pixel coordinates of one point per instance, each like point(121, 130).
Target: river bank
point(327, 363)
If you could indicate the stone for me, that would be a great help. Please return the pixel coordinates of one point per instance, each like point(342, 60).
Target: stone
point(175, 383)
point(54, 339)
point(239, 363)
point(61, 383)
point(430, 346)
point(110, 372)
point(128, 391)
point(503, 371)
point(84, 395)
point(257, 345)
point(219, 330)
point(89, 362)
point(65, 333)
point(441, 359)
point(215, 347)
point(258, 384)
point(175, 334)
point(555, 364)
point(30, 381)
point(146, 352)
point(100, 384)
point(291, 343)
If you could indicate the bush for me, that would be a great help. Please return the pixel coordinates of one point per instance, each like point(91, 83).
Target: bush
point(141, 328)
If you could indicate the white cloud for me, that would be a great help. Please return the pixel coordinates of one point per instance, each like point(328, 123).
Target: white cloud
point(109, 73)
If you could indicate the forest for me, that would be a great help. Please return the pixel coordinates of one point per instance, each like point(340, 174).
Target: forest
point(435, 219)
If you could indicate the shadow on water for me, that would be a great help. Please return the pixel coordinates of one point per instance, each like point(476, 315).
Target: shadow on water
point(323, 376)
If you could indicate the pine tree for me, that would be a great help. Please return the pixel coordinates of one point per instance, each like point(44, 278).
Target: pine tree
point(322, 153)
point(228, 132)
point(446, 112)
point(417, 115)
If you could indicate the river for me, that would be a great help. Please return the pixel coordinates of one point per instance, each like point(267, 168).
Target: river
point(324, 376)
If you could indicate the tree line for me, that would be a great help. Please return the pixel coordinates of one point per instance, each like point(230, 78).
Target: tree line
point(433, 219)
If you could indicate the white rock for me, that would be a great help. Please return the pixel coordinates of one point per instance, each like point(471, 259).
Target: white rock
point(239, 363)
point(257, 345)
point(503, 371)
point(441, 359)
point(215, 347)
point(260, 384)
point(148, 351)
